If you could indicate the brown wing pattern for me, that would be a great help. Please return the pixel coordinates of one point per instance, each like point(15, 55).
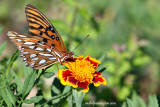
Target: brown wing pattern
point(38, 56)
point(41, 28)
point(34, 53)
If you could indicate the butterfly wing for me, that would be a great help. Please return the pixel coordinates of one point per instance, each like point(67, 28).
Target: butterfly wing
point(41, 28)
point(35, 54)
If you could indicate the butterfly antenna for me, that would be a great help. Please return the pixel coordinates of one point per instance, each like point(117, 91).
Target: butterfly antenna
point(81, 42)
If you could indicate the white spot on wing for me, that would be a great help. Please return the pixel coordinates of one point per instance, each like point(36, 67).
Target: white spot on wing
point(48, 49)
point(11, 37)
point(39, 49)
point(33, 55)
point(32, 64)
point(10, 34)
point(21, 35)
point(24, 59)
point(31, 47)
point(45, 54)
point(34, 59)
point(29, 43)
point(15, 33)
point(42, 61)
point(58, 54)
point(25, 52)
point(51, 58)
point(26, 63)
point(18, 40)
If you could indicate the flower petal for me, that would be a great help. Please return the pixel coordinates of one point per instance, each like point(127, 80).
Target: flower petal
point(79, 57)
point(97, 73)
point(63, 74)
point(84, 85)
point(72, 82)
point(99, 80)
point(93, 61)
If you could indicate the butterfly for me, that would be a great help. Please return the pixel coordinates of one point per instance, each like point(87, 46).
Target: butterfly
point(43, 46)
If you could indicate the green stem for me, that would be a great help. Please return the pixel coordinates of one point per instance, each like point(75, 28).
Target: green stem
point(56, 97)
point(11, 62)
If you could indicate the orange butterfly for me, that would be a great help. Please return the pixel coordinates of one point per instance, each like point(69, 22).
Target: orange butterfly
point(43, 46)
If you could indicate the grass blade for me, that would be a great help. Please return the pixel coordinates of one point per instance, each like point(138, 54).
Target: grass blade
point(2, 47)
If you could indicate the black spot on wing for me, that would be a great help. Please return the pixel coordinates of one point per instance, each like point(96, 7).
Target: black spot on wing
point(45, 40)
point(53, 45)
point(57, 38)
point(52, 37)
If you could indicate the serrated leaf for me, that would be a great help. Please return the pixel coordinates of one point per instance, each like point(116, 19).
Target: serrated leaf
point(48, 74)
point(5, 97)
point(153, 101)
point(28, 84)
point(33, 100)
point(70, 101)
point(138, 100)
point(124, 104)
point(2, 47)
point(66, 89)
point(10, 95)
point(56, 90)
point(26, 70)
point(17, 80)
point(78, 97)
point(11, 61)
point(130, 103)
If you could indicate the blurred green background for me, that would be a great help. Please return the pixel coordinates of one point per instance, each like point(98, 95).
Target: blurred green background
point(124, 35)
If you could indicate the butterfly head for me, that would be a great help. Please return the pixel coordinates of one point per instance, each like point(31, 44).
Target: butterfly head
point(67, 56)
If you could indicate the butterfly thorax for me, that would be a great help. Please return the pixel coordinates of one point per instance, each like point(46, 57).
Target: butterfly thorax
point(66, 56)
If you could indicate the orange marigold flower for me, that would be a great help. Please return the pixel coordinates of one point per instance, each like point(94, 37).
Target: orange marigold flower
point(81, 72)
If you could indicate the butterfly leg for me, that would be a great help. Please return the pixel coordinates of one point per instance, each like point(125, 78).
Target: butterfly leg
point(57, 67)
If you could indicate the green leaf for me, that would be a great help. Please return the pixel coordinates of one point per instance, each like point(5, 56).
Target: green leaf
point(153, 101)
point(70, 101)
point(28, 84)
point(10, 95)
point(124, 104)
point(138, 100)
point(2, 47)
point(78, 97)
point(17, 80)
point(5, 97)
point(11, 61)
point(66, 89)
point(26, 70)
point(33, 100)
point(56, 90)
point(130, 103)
point(48, 74)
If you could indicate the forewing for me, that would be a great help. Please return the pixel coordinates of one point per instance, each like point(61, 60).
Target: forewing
point(41, 28)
